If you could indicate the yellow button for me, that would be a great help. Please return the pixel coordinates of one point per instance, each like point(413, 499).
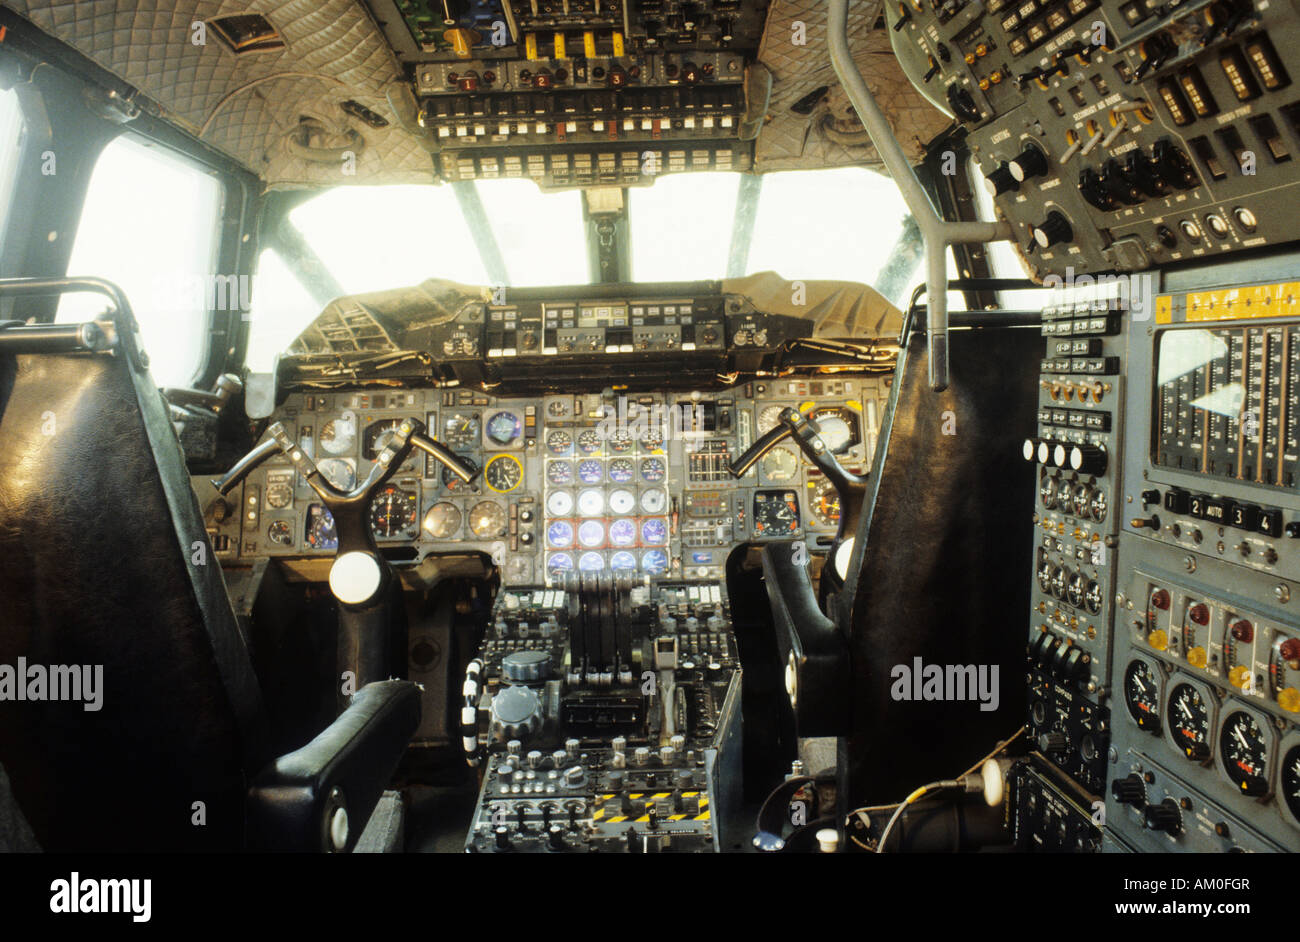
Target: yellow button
point(1289, 699)
point(1196, 657)
point(1158, 639)
point(1239, 676)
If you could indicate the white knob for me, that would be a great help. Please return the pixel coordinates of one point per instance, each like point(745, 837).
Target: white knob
point(355, 577)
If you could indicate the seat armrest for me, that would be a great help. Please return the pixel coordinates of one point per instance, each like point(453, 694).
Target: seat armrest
point(319, 797)
point(814, 651)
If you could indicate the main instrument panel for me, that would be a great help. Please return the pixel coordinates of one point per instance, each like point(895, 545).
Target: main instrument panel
point(600, 482)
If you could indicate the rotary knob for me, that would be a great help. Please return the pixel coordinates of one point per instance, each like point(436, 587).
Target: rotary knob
point(526, 666)
point(1001, 180)
point(516, 714)
point(1163, 817)
point(1129, 790)
point(1053, 230)
point(1053, 743)
point(1030, 162)
point(1088, 459)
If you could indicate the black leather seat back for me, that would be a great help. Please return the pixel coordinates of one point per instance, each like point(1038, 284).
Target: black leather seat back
point(104, 561)
point(945, 550)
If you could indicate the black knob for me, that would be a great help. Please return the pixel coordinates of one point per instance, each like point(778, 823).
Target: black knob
point(1093, 189)
point(1139, 169)
point(1163, 817)
point(1047, 643)
point(1078, 666)
point(1053, 743)
point(1029, 163)
point(555, 837)
point(1118, 184)
point(1001, 180)
point(503, 837)
point(1130, 790)
point(1053, 230)
point(1088, 459)
point(1150, 497)
point(1030, 449)
point(1172, 166)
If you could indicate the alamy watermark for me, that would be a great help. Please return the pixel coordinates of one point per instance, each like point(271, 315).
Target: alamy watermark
point(1137, 291)
point(920, 681)
point(58, 682)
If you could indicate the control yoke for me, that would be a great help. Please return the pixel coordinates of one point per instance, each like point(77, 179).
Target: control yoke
point(850, 487)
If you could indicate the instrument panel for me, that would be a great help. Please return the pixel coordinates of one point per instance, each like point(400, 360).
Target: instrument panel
point(612, 482)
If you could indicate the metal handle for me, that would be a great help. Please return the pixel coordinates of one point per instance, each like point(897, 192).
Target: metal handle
point(936, 233)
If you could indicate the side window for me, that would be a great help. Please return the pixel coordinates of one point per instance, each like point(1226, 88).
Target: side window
point(150, 224)
point(11, 141)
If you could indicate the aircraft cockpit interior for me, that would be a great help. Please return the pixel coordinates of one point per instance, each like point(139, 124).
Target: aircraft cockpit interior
point(558, 427)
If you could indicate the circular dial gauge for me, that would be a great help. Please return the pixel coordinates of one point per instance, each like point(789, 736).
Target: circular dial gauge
point(392, 511)
point(654, 561)
point(559, 472)
point(589, 441)
point(460, 432)
point(621, 501)
point(320, 528)
point(559, 562)
point(620, 443)
point(442, 520)
point(768, 419)
point(1142, 695)
point(1081, 499)
point(557, 408)
point(487, 519)
point(1097, 506)
point(1243, 749)
point(590, 562)
point(377, 436)
point(621, 470)
point(504, 427)
point(776, 513)
point(503, 473)
point(1289, 781)
point(559, 534)
point(455, 484)
point(839, 427)
point(338, 471)
point(559, 503)
point(591, 471)
point(826, 504)
point(1049, 491)
point(653, 469)
point(339, 435)
point(559, 442)
point(1188, 716)
point(652, 441)
point(591, 533)
point(779, 464)
point(279, 494)
point(591, 502)
point(622, 561)
point(654, 531)
point(622, 532)
point(654, 502)
point(280, 533)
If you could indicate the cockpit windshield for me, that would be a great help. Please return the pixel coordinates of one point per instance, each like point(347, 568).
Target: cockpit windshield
point(701, 226)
